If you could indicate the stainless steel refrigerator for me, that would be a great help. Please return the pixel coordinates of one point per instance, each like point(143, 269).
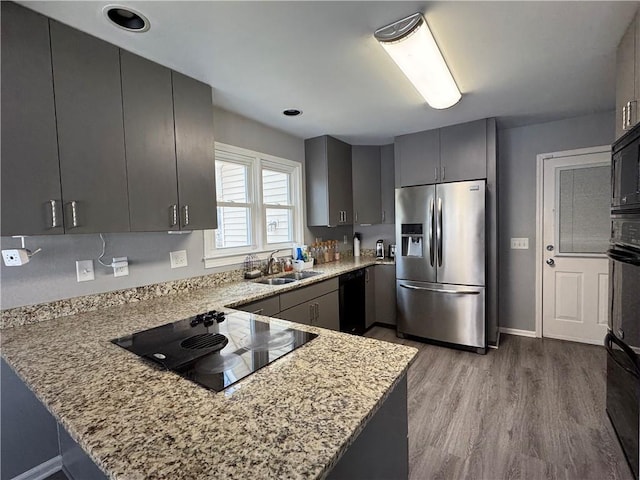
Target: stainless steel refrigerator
point(440, 262)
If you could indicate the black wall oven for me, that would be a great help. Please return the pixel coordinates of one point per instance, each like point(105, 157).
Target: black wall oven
point(623, 338)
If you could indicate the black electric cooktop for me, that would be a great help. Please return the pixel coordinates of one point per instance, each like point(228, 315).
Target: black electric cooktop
point(215, 349)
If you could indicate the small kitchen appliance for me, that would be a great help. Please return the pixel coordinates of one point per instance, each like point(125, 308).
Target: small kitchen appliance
point(380, 249)
point(392, 251)
point(214, 349)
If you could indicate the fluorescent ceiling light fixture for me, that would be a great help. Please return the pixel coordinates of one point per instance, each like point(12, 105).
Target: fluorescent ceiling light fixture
point(411, 45)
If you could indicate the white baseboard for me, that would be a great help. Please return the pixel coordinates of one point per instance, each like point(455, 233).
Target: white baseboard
point(517, 331)
point(42, 471)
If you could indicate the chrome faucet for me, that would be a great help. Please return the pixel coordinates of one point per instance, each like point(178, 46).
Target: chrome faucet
point(270, 262)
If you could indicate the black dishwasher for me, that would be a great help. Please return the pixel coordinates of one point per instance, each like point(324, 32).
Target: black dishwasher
point(352, 302)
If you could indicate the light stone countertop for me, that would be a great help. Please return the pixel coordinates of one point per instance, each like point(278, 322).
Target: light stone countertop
point(292, 419)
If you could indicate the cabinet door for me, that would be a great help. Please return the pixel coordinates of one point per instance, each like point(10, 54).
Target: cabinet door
point(417, 158)
point(365, 170)
point(268, 306)
point(625, 74)
point(303, 313)
point(327, 311)
point(193, 110)
point(88, 98)
point(385, 288)
point(387, 184)
point(370, 296)
point(317, 180)
point(30, 172)
point(339, 186)
point(463, 151)
point(147, 102)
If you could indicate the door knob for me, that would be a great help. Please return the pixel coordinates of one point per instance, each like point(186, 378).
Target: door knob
point(550, 262)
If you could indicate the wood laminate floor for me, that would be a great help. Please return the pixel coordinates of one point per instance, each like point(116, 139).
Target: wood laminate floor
point(533, 409)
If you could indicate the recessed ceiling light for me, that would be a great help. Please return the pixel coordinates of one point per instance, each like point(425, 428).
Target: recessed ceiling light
point(292, 112)
point(126, 18)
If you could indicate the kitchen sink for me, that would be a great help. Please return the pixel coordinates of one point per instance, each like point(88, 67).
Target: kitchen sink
point(300, 275)
point(277, 281)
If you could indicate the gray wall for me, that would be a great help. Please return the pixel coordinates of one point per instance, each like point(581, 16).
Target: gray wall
point(51, 274)
point(29, 433)
point(373, 233)
point(517, 150)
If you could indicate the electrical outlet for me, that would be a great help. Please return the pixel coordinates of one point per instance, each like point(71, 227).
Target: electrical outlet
point(178, 259)
point(519, 243)
point(120, 267)
point(84, 270)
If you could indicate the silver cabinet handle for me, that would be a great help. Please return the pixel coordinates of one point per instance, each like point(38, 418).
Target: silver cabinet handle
point(442, 173)
point(624, 117)
point(356, 217)
point(74, 214)
point(185, 213)
point(439, 232)
point(442, 290)
point(311, 313)
point(432, 216)
point(54, 214)
point(435, 173)
point(631, 113)
point(383, 216)
point(317, 310)
point(173, 215)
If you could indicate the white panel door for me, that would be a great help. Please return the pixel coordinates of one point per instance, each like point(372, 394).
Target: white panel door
point(576, 231)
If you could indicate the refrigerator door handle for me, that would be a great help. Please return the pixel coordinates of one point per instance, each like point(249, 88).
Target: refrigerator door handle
point(432, 217)
point(442, 290)
point(439, 232)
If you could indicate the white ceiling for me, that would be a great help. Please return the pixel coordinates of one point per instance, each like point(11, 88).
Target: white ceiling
point(522, 62)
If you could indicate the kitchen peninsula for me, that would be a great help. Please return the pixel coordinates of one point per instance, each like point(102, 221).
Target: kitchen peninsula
point(296, 418)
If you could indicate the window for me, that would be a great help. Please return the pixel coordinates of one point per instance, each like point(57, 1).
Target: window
point(259, 206)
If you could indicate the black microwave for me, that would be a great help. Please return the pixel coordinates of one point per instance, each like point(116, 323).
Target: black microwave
point(625, 173)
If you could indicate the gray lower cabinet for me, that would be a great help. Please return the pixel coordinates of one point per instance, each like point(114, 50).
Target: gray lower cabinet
point(370, 296)
point(268, 306)
point(328, 181)
point(147, 101)
point(387, 184)
point(88, 99)
point(385, 294)
point(193, 111)
point(31, 197)
point(317, 305)
point(365, 169)
point(463, 151)
point(417, 158)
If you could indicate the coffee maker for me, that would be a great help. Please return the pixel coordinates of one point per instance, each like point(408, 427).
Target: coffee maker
point(380, 249)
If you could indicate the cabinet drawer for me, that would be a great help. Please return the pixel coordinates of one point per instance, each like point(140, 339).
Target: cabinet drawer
point(301, 295)
point(267, 306)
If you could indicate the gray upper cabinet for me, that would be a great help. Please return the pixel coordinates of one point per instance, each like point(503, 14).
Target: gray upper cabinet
point(387, 184)
point(463, 151)
point(193, 110)
point(30, 172)
point(449, 154)
point(417, 158)
point(366, 184)
point(147, 101)
point(627, 77)
point(88, 99)
point(328, 181)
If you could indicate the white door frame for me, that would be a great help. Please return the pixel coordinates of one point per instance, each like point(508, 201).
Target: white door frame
point(539, 217)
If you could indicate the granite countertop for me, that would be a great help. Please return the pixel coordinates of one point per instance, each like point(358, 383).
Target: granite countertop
point(292, 419)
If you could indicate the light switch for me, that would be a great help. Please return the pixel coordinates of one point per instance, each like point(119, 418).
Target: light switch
point(519, 243)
